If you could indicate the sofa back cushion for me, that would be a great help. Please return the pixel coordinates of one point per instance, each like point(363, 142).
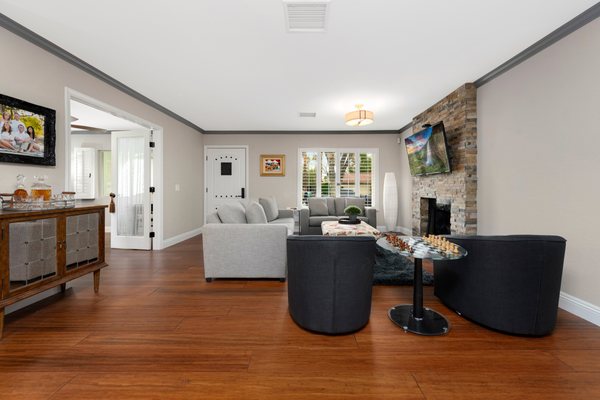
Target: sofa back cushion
point(318, 207)
point(269, 204)
point(255, 214)
point(340, 204)
point(232, 213)
point(356, 201)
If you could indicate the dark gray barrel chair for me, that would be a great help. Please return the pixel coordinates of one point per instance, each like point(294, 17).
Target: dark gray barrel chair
point(330, 279)
point(508, 283)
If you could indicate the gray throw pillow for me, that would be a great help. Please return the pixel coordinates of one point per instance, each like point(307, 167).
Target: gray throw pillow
point(358, 202)
point(318, 207)
point(255, 214)
point(269, 204)
point(232, 213)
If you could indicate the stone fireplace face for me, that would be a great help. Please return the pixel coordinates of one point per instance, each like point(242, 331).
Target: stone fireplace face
point(458, 188)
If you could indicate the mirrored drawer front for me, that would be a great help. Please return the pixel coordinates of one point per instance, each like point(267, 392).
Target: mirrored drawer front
point(82, 240)
point(32, 252)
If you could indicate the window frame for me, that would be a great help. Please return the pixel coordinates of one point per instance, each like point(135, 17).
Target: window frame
point(338, 151)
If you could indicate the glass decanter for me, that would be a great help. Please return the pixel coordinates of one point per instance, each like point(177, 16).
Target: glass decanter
point(20, 193)
point(40, 190)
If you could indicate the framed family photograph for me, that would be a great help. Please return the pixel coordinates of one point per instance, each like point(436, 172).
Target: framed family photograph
point(272, 165)
point(27, 132)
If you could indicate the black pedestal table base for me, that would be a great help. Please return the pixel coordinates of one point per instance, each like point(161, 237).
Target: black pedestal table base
point(432, 323)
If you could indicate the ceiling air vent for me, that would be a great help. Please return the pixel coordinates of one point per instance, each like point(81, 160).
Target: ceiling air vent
point(306, 15)
point(307, 114)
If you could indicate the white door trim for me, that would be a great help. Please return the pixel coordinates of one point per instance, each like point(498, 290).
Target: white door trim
point(158, 198)
point(226, 146)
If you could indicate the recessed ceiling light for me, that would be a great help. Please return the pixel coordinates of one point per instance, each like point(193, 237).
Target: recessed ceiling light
point(307, 114)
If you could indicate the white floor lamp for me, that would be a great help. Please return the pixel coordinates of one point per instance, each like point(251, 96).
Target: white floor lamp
point(390, 201)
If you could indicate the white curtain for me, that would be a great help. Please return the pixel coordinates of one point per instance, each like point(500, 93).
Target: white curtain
point(130, 186)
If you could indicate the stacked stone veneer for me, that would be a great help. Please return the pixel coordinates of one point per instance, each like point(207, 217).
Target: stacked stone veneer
point(458, 111)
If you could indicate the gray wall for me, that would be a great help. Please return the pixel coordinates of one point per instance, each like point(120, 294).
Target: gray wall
point(392, 158)
point(538, 162)
point(41, 79)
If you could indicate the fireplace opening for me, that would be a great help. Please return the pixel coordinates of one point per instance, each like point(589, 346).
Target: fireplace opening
point(438, 218)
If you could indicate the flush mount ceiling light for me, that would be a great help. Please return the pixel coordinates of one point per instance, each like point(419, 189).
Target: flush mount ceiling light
point(359, 117)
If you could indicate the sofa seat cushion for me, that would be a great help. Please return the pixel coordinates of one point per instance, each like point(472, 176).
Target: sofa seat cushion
point(316, 221)
point(232, 213)
point(269, 204)
point(255, 214)
point(288, 222)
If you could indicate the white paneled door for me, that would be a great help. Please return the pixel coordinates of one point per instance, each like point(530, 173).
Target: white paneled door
point(225, 176)
point(131, 181)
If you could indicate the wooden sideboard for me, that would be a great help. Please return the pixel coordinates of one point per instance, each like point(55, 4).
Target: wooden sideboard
point(40, 250)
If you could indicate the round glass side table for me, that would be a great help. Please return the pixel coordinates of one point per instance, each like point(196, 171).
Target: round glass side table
point(414, 317)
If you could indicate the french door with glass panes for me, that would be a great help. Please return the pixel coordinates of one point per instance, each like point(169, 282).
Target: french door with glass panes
point(337, 173)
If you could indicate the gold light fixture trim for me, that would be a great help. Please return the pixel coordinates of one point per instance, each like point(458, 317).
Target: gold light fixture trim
point(359, 117)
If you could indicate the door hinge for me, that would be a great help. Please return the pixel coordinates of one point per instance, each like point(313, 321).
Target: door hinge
point(151, 234)
point(206, 190)
point(206, 158)
point(152, 189)
point(152, 144)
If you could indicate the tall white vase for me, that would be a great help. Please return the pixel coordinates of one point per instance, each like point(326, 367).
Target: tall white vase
point(390, 201)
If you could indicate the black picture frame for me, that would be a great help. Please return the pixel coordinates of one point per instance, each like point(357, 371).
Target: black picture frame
point(45, 139)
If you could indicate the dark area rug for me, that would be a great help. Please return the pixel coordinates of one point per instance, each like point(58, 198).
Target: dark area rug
point(393, 269)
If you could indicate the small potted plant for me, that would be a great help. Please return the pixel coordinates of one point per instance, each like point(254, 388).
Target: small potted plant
point(352, 212)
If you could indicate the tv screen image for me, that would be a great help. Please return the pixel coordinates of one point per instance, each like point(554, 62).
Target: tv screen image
point(427, 151)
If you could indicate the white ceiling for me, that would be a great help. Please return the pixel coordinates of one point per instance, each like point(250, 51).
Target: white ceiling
point(230, 64)
point(94, 118)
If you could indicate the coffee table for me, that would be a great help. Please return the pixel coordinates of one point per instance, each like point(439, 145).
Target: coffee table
point(414, 317)
point(334, 228)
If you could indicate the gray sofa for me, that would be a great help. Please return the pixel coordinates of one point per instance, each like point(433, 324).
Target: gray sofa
point(331, 209)
point(244, 247)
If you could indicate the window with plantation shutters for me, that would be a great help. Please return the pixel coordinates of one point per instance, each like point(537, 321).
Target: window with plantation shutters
point(83, 172)
point(337, 173)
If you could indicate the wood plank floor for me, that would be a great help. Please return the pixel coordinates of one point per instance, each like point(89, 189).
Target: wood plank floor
point(157, 330)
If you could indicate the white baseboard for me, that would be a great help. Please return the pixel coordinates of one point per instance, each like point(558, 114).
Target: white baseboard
point(579, 307)
point(181, 237)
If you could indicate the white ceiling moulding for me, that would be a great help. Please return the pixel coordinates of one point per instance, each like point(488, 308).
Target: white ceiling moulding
point(306, 16)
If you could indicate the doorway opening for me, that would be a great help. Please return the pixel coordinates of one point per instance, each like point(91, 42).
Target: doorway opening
point(109, 151)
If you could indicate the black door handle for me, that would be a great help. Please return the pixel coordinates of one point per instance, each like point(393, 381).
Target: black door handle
point(243, 193)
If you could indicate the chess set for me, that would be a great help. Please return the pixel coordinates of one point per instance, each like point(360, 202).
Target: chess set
point(426, 243)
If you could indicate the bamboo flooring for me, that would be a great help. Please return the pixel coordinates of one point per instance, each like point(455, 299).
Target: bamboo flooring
point(157, 330)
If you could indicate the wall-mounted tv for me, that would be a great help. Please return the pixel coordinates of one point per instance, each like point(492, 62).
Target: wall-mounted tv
point(27, 132)
point(427, 151)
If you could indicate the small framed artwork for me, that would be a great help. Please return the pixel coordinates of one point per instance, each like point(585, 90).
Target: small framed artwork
point(272, 165)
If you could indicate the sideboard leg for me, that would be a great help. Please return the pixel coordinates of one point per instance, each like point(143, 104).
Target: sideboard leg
point(96, 281)
point(1, 322)
point(63, 287)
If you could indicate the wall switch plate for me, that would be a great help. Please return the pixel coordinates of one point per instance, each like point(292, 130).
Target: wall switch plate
point(177, 187)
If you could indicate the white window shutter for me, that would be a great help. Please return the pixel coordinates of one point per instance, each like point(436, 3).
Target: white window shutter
point(83, 172)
